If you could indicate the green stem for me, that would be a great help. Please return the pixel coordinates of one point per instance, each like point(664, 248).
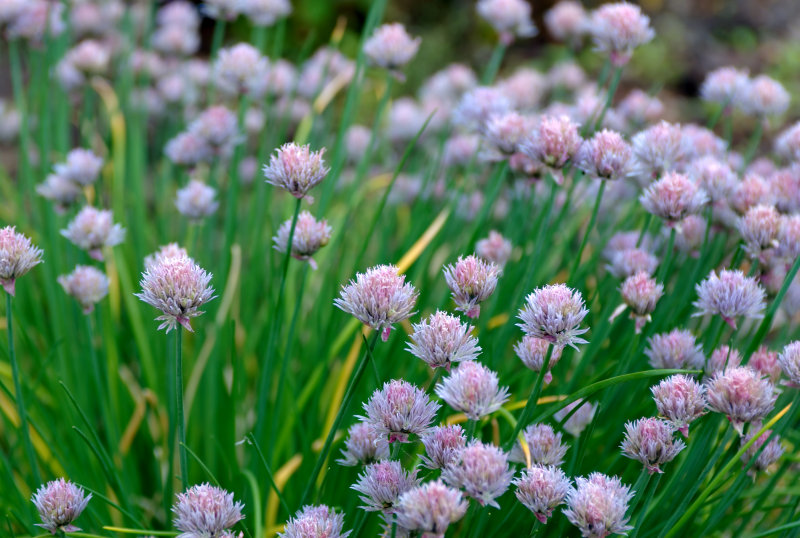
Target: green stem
point(663, 271)
point(494, 63)
point(612, 89)
point(763, 329)
point(23, 417)
point(532, 399)
point(639, 489)
point(470, 431)
point(647, 220)
point(752, 146)
point(645, 506)
point(181, 419)
point(577, 261)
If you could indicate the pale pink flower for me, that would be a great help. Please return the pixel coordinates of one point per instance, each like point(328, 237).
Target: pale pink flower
point(482, 471)
point(764, 96)
point(296, 169)
point(196, 200)
point(93, 230)
point(171, 250)
point(628, 262)
point(362, 446)
point(721, 359)
point(673, 197)
point(578, 420)
point(759, 228)
point(442, 339)
point(618, 28)
point(741, 394)
point(567, 21)
point(442, 445)
point(640, 293)
point(59, 503)
point(391, 47)
point(730, 294)
point(382, 483)
point(554, 313)
point(310, 235)
point(471, 281)
point(554, 142)
point(541, 488)
point(751, 191)
point(658, 149)
point(675, 349)
point(398, 410)
point(765, 362)
point(681, 400)
point(714, 176)
point(430, 508)
point(769, 455)
point(205, 510)
point(472, 389)
point(532, 352)
point(789, 360)
point(87, 284)
point(81, 166)
point(544, 446)
point(597, 505)
point(265, 12)
point(650, 441)
point(241, 70)
point(724, 85)
point(605, 156)
point(315, 522)
point(510, 18)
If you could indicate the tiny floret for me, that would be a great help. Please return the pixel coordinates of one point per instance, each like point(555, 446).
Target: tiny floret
point(741, 394)
point(680, 399)
point(93, 229)
point(442, 339)
point(650, 441)
point(17, 256)
point(59, 503)
point(430, 508)
point(205, 511)
point(473, 389)
point(296, 169)
point(398, 410)
point(554, 313)
point(315, 522)
point(310, 235)
point(597, 505)
point(730, 294)
point(87, 284)
point(471, 281)
point(482, 471)
point(541, 488)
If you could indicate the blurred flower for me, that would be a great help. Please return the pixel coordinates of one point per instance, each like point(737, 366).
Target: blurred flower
point(205, 510)
point(764, 96)
point(649, 441)
point(741, 394)
point(172, 250)
point(391, 47)
point(87, 284)
point(541, 488)
point(59, 503)
point(554, 313)
point(379, 297)
point(724, 85)
point(658, 149)
point(787, 143)
point(296, 169)
point(628, 262)
point(605, 156)
point(714, 176)
point(430, 508)
point(769, 455)
point(749, 192)
point(578, 420)
point(618, 28)
point(510, 18)
point(680, 399)
point(382, 483)
point(495, 249)
point(525, 88)
point(471, 281)
point(673, 197)
point(34, 19)
point(675, 349)
point(241, 70)
point(731, 294)
point(638, 107)
point(315, 521)
point(399, 409)
point(265, 12)
point(554, 141)
point(358, 139)
point(759, 228)
point(363, 446)
point(310, 235)
point(196, 200)
point(765, 362)
point(442, 445)
point(82, 167)
point(789, 360)
point(567, 21)
point(188, 149)
point(92, 230)
point(472, 389)
point(479, 104)
point(219, 127)
point(178, 287)
point(60, 190)
point(442, 339)
point(505, 132)
point(721, 359)
point(544, 446)
point(641, 293)
point(532, 352)
point(597, 505)
point(482, 471)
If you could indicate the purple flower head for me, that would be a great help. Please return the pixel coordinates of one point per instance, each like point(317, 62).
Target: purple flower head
point(315, 522)
point(495, 249)
point(391, 47)
point(399, 409)
point(675, 349)
point(310, 235)
point(510, 18)
point(764, 96)
point(442, 339)
point(730, 295)
point(505, 132)
point(544, 446)
point(641, 293)
point(188, 149)
point(196, 200)
point(471, 281)
point(628, 262)
point(721, 359)
point(605, 156)
point(578, 421)
point(473, 389)
point(759, 228)
point(82, 167)
point(649, 441)
point(789, 237)
point(59, 503)
point(241, 70)
point(430, 508)
point(172, 250)
point(554, 313)
point(219, 127)
point(296, 169)
point(751, 191)
point(541, 488)
point(379, 297)
point(64, 192)
point(17, 256)
point(554, 142)
point(567, 21)
point(87, 284)
point(741, 394)
point(714, 176)
point(363, 446)
point(724, 85)
point(93, 229)
point(618, 28)
point(205, 511)
point(382, 483)
point(680, 399)
point(597, 505)
point(769, 455)
point(482, 471)
point(658, 149)
point(673, 197)
point(178, 287)
point(442, 445)
point(789, 359)
point(532, 352)
point(765, 362)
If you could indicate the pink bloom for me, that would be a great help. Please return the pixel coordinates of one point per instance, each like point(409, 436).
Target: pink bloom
point(59, 503)
point(649, 440)
point(17, 257)
point(541, 488)
point(296, 169)
point(87, 284)
point(471, 281)
point(673, 197)
point(680, 399)
point(619, 28)
point(741, 394)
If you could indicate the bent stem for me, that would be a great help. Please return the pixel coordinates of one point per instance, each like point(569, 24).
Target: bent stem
point(181, 420)
point(534, 397)
point(577, 262)
point(23, 417)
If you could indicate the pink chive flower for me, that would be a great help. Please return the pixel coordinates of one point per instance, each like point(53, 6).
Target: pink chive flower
point(241, 70)
point(442, 339)
point(630, 261)
point(658, 149)
point(363, 446)
point(482, 471)
point(442, 445)
point(741, 394)
point(541, 488)
point(171, 250)
point(789, 237)
point(509, 18)
point(265, 12)
point(472, 389)
point(544, 446)
point(605, 156)
point(310, 235)
point(205, 510)
point(751, 191)
point(597, 505)
point(178, 287)
point(59, 503)
point(17, 256)
point(430, 509)
point(219, 127)
point(382, 483)
point(398, 410)
point(567, 21)
point(196, 200)
point(391, 47)
point(691, 234)
point(93, 230)
point(619, 28)
point(87, 285)
point(649, 441)
point(60, 190)
point(315, 521)
point(296, 169)
point(638, 107)
point(188, 149)
point(765, 362)
point(479, 104)
point(681, 400)
point(578, 420)
point(759, 228)
point(789, 359)
point(554, 313)
point(495, 249)
point(554, 142)
point(787, 143)
point(471, 281)
point(673, 197)
point(724, 85)
point(730, 295)
point(36, 18)
point(640, 293)
point(721, 359)
point(714, 176)
point(379, 297)
point(82, 166)
point(532, 352)
point(675, 349)
point(769, 455)
point(764, 96)
point(505, 132)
